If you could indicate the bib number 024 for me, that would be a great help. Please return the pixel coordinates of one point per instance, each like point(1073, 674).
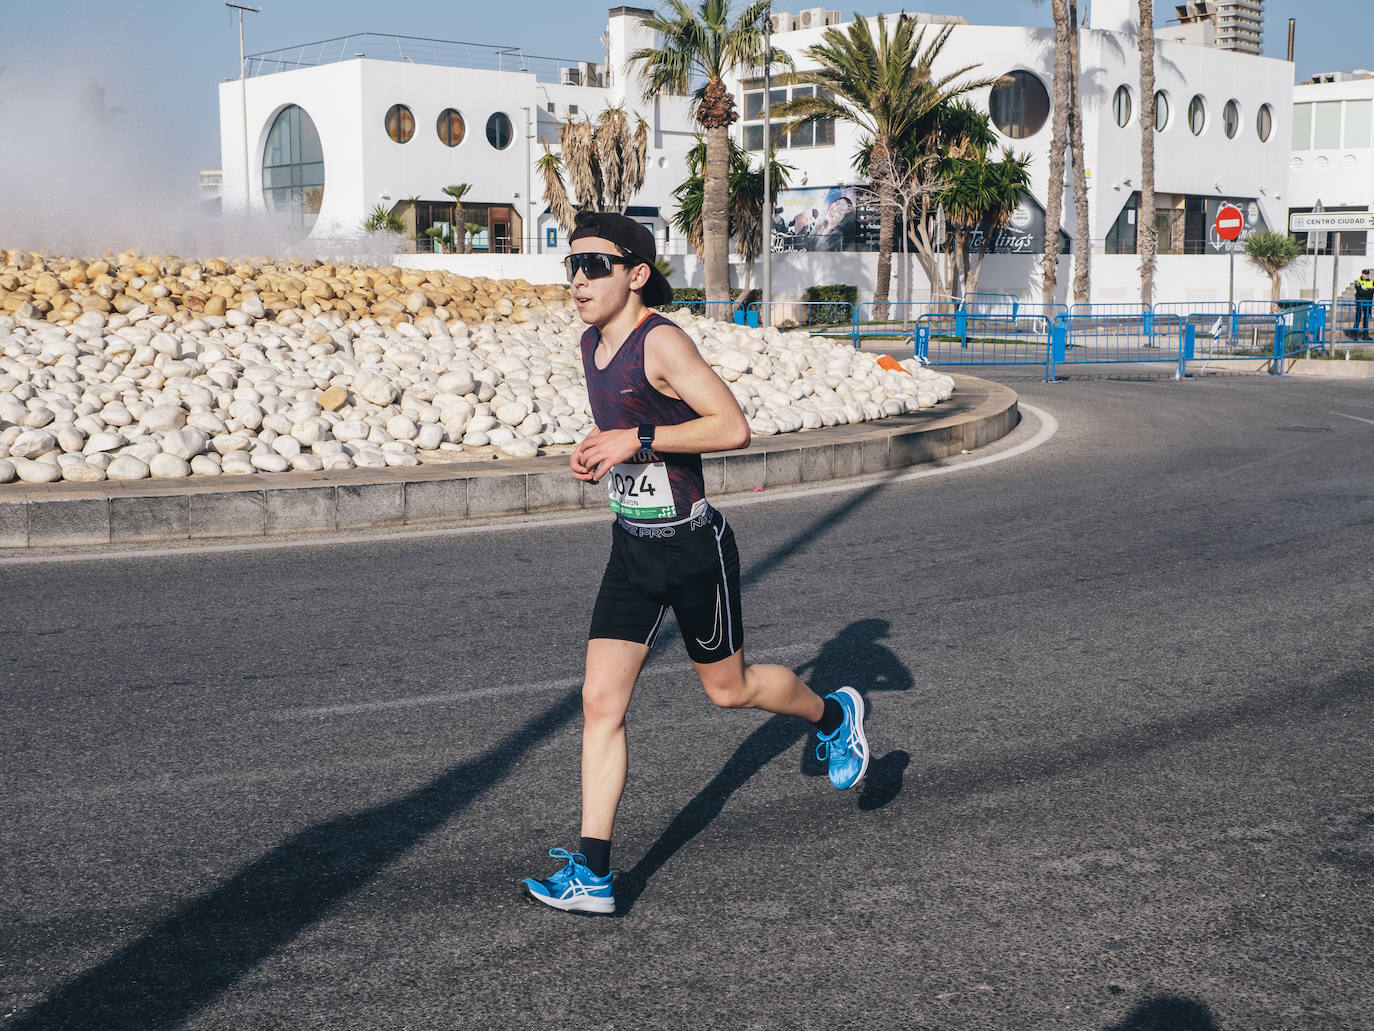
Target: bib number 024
point(640, 491)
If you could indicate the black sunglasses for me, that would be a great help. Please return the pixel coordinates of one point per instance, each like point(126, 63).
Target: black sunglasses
point(594, 264)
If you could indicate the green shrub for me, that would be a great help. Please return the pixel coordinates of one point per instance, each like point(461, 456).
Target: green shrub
point(832, 293)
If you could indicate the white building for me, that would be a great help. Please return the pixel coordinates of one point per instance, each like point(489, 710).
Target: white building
point(337, 128)
point(1332, 151)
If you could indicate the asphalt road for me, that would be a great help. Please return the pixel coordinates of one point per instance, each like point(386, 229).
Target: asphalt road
point(1120, 694)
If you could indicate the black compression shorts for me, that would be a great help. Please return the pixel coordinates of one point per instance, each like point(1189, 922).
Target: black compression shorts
point(691, 567)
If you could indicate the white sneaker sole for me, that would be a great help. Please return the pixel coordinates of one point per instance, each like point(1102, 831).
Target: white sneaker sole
point(858, 701)
point(574, 904)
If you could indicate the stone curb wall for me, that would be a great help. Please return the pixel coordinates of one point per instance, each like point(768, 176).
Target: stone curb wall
point(141, 512)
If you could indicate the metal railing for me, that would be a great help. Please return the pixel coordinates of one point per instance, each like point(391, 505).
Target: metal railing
point(413, 50)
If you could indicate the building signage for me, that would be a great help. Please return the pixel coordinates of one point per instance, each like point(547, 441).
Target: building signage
point(845, 218)
point(1330, 221)
point(1024, 233)
point(1252, 219)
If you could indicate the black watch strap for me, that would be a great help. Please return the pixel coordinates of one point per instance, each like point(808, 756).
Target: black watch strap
point(646, 437)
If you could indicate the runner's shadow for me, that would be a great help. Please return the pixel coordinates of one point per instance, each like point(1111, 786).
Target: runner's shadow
point(1168, 1013)
point(853, 657)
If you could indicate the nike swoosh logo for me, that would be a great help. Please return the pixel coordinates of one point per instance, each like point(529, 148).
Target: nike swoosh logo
point(718, 637)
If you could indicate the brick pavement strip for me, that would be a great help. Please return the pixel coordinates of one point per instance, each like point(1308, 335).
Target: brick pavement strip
point(56, 515)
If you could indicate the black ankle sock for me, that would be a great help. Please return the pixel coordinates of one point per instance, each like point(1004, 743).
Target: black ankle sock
point(830, 719)
point(598, 853)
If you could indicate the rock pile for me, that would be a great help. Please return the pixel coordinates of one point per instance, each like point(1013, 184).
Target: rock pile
point(132, 367)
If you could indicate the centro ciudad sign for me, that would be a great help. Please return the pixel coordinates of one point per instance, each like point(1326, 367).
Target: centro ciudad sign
point(1326, 221)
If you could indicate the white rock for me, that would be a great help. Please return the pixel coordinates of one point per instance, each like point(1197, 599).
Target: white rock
point(306, 463)
point(39, 416)
point(32, 444)
point(429, 437)
point(519, 447)
point(127, 467)
point(269, 462)
point(402, 427)
point(378, 391)
point(184, 444)
point(287, 446)
point(248, 413)
point(336, 461)
point(163, 418)
point(370, 458)
point(237, 463)
point(228, 443)
point(457, 381)
point(7, 473)
point(168, 467)
point(205, 465)
point(39, 471)
point(107, 440)
point(116, 414)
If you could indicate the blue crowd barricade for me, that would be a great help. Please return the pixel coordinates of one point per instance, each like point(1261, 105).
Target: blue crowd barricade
point(1119, 334)
point(721, 310)
point(833, 319)
point(897, 322)
point(963, 338)
point(977, 303)
point(1349, 325)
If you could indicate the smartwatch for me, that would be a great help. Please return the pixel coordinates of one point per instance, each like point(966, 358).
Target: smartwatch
point(646, 437)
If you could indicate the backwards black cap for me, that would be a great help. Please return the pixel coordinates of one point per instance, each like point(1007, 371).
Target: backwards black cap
point(632, 237)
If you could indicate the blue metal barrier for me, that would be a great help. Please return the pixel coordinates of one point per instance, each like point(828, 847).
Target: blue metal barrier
point(964, 338)
point(1349, 325)
point(977, 303)
point(897, 324)
point(819, 318)
point(1120, 334)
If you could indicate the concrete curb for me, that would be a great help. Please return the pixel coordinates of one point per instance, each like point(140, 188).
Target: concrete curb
point(138, 512)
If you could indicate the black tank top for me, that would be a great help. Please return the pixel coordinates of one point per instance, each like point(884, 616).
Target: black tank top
point(622, 397)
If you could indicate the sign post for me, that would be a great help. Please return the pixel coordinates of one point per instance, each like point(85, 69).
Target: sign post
point(1230, 224)
point(1317, 242)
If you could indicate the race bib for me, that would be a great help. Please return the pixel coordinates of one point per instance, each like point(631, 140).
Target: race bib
point(640, 490)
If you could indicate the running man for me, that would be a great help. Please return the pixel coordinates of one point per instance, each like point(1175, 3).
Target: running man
point(658, 406)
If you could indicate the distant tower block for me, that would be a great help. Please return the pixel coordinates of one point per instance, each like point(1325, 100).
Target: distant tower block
point(1226, 24)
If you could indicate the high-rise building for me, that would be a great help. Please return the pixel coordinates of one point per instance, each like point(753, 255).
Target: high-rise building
point(1228, 24)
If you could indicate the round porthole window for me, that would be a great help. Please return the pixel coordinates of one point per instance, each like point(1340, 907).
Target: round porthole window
point(1161, 111)
point(1019, 104)
point(400, 123)
point(1230, 119)
point(1121, 106)
point(1197, 116)
point(1264, 122)
point(499, 131)
point(450, 128)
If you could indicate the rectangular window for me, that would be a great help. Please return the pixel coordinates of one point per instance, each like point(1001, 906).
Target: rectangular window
point(753, 106)
point(1326, 125)
point(753, 137)
point(1302, 126)
point(1357, 124)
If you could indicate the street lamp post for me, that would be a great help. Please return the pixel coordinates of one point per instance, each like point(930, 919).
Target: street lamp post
point(767, 276)
point(243, 102)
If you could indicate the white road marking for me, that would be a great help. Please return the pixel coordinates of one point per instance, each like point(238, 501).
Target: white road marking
point(506, 690)
point(1369, 422)
point(1048, 427)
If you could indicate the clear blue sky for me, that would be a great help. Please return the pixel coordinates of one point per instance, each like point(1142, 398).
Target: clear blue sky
point(158, 61)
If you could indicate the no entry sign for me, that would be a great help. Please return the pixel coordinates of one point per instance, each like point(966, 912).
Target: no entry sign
point(1230, 222)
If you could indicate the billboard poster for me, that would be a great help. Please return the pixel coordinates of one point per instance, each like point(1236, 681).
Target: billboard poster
point(824, 218)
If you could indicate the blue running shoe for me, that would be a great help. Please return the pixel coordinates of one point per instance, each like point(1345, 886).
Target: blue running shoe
point(574, 888)
point(846, 750)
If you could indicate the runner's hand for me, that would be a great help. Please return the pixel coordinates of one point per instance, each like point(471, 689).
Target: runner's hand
point(602, 450)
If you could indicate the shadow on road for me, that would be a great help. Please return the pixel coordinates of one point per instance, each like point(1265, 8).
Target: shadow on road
point(184, 962)
point(1168, 1013)
point(854, 657)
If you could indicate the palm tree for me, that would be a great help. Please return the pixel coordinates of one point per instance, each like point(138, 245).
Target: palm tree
point(1059, 133)
point(1082, 256)
point(604, 162)
point(979, 197)
point(1273, 252)
point(744, 223)
point(458, 192)
point(886, 87)
point(1147, 235)
point(704, 44)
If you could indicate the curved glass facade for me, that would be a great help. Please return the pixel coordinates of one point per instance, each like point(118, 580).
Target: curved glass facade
point(293, 167)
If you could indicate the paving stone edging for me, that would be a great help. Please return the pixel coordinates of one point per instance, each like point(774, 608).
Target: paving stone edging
point(143, 511)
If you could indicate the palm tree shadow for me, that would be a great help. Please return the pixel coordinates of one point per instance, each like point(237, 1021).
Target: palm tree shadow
point(854, 658)
point(1168, 1013)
